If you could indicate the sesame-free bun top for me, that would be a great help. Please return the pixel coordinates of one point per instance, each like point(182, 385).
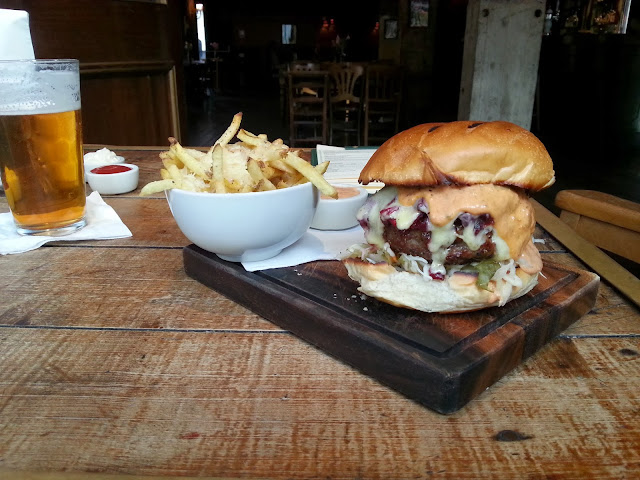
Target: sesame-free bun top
point(462, 153)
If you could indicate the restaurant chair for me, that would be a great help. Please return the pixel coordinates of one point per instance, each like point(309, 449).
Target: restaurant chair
point(293, 66)
point(609, 222)
point(345, 103)
point(382, 102)
point(307, 101)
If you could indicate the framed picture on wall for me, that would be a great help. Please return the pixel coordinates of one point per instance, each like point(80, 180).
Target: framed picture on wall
point(390, 29)
point(607, 16)
point(419, 13)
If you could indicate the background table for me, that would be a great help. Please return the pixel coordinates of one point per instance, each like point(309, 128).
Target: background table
point(112, 360)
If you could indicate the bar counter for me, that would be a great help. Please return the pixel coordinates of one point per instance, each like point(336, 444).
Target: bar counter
point(114, 361)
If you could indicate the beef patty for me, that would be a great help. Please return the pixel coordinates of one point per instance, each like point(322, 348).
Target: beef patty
point(415, 240)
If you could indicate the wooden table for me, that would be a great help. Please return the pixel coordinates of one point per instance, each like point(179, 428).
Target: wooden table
point(112, 360)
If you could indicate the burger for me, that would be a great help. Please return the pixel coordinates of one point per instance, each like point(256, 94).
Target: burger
point(452, 228)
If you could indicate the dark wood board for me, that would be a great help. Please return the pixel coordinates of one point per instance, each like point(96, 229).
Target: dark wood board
point(441, 361)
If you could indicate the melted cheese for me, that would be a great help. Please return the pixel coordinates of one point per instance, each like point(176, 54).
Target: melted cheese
point(510, 209)
point(234, 166)
point(371, 212)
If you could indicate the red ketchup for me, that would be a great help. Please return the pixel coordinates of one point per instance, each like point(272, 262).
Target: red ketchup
point(111, 169)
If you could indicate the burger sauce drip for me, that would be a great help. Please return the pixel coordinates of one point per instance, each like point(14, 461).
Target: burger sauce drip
point(530, 261)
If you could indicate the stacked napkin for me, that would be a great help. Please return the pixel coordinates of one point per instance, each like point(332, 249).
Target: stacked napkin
point(15, 36)
point(314, 245)
point(102, 223)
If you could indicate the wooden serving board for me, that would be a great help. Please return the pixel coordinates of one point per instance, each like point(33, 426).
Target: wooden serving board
point(441, 361)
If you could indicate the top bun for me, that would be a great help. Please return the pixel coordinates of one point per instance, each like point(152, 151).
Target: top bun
point(462, 153)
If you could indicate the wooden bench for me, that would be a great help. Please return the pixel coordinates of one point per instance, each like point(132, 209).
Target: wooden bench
point(608, 222)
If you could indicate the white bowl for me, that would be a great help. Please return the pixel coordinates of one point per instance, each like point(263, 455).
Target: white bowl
point(244, 227)
point(114, 183)
point(340, 213)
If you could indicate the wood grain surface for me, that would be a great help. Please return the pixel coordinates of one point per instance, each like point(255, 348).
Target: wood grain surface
point(113, 361)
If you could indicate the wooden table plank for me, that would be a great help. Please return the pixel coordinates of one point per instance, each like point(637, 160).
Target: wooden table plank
point(71, 280)
point(169, 403)
point(88, 287)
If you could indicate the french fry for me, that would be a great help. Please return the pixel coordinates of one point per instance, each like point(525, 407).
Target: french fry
point(264, 185)
point(246, 188)
point(320, 168)
point(207, 161)
point(169, 158)
point(306, 169)
point(191, 163)
point(157, 186)
point(254, 170)
point(197, 154)
point(281, 165)
point(291, 178)
point(231, 130)
point(175, 175)
point(167, 162)
point(217, 172)
point(249, 138)
point(267, 171)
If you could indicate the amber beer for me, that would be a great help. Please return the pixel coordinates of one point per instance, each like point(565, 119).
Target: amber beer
point(41, 147)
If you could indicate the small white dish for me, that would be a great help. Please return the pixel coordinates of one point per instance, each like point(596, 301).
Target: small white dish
point(113, 183)
point(340, 213)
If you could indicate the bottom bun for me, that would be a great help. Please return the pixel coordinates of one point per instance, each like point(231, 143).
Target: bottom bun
point(456, 293)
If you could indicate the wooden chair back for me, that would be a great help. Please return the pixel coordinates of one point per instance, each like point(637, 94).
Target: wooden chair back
point(345, 78)
point(345, 101)
point(382, 102)
point(607, 221)
point(307, 100)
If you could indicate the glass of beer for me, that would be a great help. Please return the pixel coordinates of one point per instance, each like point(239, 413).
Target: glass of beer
point(41, 145)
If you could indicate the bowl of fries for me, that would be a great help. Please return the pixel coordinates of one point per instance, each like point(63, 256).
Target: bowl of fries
point(243, 201)
point(244, 227)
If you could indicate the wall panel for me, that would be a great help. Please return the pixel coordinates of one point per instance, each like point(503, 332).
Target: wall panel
point(128, 51)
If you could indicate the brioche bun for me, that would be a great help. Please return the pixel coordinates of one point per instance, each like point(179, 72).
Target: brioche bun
point(410, 290)
point(462, 153)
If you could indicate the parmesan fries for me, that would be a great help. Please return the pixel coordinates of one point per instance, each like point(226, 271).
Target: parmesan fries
point(251, 165)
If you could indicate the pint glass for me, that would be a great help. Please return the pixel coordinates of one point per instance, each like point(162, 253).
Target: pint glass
point(41, 145)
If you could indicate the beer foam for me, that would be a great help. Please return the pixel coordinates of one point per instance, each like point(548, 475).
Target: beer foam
point(29, 92)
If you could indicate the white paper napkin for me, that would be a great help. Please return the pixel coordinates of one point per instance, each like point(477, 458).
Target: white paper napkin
point(102, 223)
point(15, 36)
point(314, 245)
